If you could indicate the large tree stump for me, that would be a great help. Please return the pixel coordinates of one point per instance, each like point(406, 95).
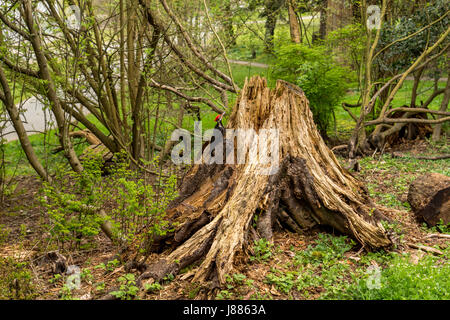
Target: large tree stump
point(429, 197)
point(222, 208)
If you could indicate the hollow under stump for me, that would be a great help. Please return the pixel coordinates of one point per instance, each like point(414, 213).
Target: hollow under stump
point(223, 208)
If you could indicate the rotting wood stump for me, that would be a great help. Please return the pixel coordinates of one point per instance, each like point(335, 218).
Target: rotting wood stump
point(429, 197)
point(222, 208)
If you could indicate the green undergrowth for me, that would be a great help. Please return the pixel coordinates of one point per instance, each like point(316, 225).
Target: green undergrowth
point(16, 281)
point(330, 268)
point(388, 178)
point(401, 279)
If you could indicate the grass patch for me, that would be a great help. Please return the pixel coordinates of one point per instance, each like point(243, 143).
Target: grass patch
point(429, 279)
point(389, 178)
point(325, 271)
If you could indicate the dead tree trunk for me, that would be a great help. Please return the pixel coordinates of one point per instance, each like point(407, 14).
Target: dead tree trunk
point(222, 208)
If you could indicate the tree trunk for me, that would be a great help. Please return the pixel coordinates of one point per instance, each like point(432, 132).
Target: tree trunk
point(228, 25)
point(50, 88)
point(271, 11)
point(14, 115)
point(339, 14)
point(222, 208)
point(271, 23)
point(323, 19)
point(444, 106)
point(293, 23)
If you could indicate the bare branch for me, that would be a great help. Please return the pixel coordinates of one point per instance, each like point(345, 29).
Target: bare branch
point(208, 102)
point(406, 120)
point(418, 110)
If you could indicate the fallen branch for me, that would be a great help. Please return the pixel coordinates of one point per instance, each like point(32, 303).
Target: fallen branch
point(418, 110)
point(86, 134)
point(401, 155)
point(437, 235)
point(174, 90)
point(405, 120)
point(425, 248)
point(341, 147)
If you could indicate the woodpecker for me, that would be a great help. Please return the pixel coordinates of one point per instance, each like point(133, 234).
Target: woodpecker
point(219, 124)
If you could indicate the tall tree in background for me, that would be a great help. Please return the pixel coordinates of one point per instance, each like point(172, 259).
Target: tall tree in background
point(339, 14)
point(228, 23)
point(323, 19)
point(294, 25)
point(271, 12)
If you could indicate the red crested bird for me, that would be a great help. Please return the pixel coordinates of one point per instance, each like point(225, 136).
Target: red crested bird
point(219, 124)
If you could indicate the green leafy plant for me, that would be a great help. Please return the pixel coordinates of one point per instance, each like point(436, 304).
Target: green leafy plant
point(170, 277)
point(86, 275)
point(100, 266)
point(56, 278)
point(193, 291)
point(327, 250)
point(322, 267)
point(100, 287)
point(284, 281)
point(67, 202)
point(224, 295)
point(128, 289)
point(112, 265)
point(73, 200)
point(152, 287)
point(16, 281)
point(313, 69)
point(440, 227)
point(4, 233)
point(262, 250)
point(66, 293)
point(351, 41)
point(239, 278)
point(428, 279)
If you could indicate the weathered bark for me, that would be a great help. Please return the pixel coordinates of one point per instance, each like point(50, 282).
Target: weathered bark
point(218, 202)
point(429, 197)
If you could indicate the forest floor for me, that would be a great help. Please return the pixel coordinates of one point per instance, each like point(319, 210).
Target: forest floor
point(316, 265)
